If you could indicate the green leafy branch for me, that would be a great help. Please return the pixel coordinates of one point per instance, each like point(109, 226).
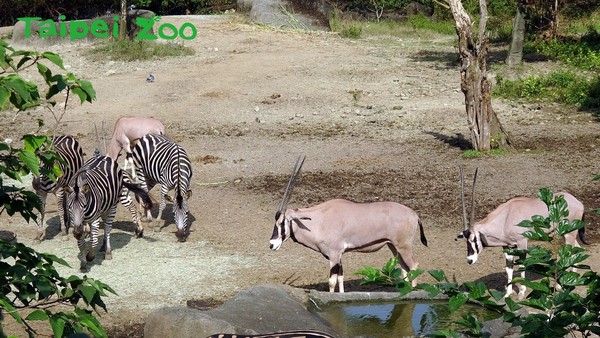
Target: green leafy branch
point(23, 94)
point(32, 282)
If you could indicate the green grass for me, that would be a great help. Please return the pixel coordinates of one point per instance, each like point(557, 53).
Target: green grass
point(582, 53)
point(470, 153)
point(560, 86)
point(350, 27)
point(133, 50)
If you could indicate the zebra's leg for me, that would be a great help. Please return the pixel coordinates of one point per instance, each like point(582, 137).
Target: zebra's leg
point(83, 251)
point(60, 195)
point(128, 203)
point(143, 185)
point(41, 231)
point(164, 190)
point(107, 228)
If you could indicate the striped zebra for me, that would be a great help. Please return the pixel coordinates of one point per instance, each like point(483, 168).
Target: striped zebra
point(71, 153)
point(159, 160)
point(92, 194)
point(288, 334)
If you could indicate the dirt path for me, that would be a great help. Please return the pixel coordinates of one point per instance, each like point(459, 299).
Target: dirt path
point(378, 118)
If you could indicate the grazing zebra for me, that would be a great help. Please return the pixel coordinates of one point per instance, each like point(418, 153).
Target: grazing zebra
point(71, 153)
point(92, 193)
point(288, 334)
point(159, 160)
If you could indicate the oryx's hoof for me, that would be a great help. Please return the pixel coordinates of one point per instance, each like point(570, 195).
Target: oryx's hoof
point(64, 236)
point(139, 234)
point(156, 228)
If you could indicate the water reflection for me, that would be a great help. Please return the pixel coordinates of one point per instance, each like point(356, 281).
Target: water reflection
point(395, 319)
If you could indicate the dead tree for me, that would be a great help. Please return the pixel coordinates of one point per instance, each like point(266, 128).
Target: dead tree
point(123, 21)
point(484, 126)
point(515, 53)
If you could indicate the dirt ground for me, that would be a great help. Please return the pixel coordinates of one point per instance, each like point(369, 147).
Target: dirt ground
point(378, 119)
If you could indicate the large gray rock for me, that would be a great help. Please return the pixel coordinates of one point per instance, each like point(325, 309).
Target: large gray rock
point(183, 322)
point(262, 309)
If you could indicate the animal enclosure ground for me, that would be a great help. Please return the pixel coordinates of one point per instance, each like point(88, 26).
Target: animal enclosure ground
point(380, 118)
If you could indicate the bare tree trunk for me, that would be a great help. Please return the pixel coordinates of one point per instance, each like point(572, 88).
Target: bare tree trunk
point(515, 53)
point(123, 21)
point(481, 118)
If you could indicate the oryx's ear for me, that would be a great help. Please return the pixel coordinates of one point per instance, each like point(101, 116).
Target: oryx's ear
point(187, 194)
point(460, 235)
point(299, 220)
point(169, 198)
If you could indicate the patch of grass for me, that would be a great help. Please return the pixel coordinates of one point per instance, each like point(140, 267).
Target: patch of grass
point(134, 50)
point(582, 53)
point(420, 21)
point(345, 26)
point(559, 86)
point(470, 153)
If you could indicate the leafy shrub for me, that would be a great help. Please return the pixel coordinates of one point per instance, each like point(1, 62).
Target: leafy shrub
point(559, 86)
point(582, 54)
point(29, 281)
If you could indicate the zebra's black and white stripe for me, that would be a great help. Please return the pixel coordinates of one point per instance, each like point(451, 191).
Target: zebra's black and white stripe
point(93, 193)
point(159, 160)
point(71, 153)
point(288, 334)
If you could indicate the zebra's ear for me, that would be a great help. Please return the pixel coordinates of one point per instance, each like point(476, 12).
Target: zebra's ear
point(85, 188)
point(188, 194)
point(68, 189)
point(169, 198)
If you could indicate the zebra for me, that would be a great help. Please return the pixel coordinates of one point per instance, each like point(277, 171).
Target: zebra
point(288, 334)
point(70, 151)
point(159, 160)
point(92, 193)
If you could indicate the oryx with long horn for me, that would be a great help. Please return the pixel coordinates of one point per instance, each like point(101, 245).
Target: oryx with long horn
point(500, 227)
point(338, 225)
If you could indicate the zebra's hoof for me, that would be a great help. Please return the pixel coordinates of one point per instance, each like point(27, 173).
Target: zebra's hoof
point(108, 256)
point(64, 237)
point(139, 234)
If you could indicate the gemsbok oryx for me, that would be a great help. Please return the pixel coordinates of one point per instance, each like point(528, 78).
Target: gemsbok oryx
point(92, 194)
point(127, 130)
point(69, 150)
point(159, 160)
point(500, 227)
point(338, 226)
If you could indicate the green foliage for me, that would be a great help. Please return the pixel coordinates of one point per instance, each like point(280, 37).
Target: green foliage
point(582, 53)
point(566, 302)
point(133, 50)
point(420, 21)
point(470, 153)
point(29, 281)
point(558, 86)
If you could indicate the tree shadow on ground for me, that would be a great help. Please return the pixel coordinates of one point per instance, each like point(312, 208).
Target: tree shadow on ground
point(458, 140)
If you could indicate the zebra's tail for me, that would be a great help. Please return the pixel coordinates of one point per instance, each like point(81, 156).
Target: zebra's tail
point(140, 194)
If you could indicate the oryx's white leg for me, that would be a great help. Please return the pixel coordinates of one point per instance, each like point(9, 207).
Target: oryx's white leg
point(510, 262)
point(405, 260)
point(336, 273)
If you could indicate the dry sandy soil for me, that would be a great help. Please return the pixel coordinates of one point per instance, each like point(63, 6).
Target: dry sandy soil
point(378, 118)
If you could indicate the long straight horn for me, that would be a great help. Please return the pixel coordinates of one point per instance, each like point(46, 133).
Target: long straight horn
point(290, 186)
point(473, 200)
point(462, 197)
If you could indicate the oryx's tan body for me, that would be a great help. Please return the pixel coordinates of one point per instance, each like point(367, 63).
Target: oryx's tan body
point(128, 129)
point(500, 228)
point(338, 226)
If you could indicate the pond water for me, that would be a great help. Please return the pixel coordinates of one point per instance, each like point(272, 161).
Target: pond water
point(395, 318)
